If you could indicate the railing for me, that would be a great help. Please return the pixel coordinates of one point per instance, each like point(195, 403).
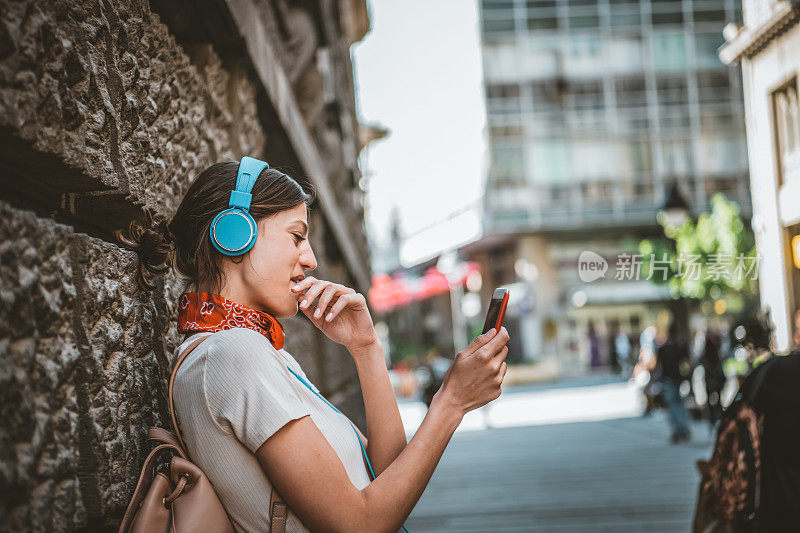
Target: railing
point(521, 208)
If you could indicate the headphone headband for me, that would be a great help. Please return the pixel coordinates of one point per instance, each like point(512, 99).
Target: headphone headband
point(249, 170)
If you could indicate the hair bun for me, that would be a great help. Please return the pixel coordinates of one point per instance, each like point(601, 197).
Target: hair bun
point(153, 243)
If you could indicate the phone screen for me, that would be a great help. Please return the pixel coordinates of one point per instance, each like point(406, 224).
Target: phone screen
point(491, 316)
point(497, 310)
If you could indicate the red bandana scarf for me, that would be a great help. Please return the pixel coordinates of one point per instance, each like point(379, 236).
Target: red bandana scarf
point(206, 311)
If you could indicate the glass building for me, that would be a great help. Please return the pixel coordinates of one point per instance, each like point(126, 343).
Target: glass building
point(596, 107)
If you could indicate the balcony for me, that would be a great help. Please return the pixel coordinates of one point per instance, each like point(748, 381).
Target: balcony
point(594, 206)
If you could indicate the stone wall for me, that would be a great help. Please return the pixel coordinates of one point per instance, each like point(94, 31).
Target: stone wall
point(108, 107)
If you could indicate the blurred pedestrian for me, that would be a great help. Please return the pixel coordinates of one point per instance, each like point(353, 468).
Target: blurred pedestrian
point(647, 347)
point(671, 356)
point(623, 349)
point(714, 375)
point(594, 347)
point(613, 353)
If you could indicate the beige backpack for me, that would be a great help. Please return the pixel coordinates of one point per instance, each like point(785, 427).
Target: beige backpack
point(176, 496)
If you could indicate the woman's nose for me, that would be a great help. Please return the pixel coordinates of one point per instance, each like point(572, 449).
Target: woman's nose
point(308, 260)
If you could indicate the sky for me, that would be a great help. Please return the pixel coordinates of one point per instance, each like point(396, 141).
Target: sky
point(418, 73)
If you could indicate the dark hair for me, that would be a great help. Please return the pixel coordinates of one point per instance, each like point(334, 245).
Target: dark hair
point(184, 242)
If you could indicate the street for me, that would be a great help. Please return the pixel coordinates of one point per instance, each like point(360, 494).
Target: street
point(568, 457)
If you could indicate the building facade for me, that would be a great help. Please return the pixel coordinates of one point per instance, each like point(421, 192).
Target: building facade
point(595, 109)
point(768, 47)
point(108, 107)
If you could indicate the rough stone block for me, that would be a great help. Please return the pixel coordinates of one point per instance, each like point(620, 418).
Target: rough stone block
point(39, 439)
point(125, 369)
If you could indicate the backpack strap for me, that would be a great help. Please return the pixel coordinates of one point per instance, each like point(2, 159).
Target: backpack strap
point(163, 436)
point(278, 510)
point(178, 362)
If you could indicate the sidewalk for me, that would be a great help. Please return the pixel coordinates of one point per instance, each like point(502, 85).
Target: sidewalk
point(610, 474)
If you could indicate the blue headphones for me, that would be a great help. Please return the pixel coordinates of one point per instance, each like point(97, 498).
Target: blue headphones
point(233, 231)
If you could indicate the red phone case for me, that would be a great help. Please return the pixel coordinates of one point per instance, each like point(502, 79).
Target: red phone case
point(502, 312)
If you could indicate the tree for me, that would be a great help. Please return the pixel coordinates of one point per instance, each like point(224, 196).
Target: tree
point(704, 260)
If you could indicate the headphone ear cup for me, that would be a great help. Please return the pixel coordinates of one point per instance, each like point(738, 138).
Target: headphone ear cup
point(233, 232)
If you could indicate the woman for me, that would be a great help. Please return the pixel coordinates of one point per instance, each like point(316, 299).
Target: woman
point(246, 416)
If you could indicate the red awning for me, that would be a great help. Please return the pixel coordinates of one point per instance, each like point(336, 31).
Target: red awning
point(388, 292)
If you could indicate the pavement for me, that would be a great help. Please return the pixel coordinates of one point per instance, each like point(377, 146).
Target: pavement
point(570, 456)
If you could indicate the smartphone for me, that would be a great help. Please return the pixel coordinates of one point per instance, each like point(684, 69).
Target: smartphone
point(497, 310)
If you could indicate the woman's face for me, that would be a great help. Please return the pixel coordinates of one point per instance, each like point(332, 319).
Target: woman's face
point(279, 258)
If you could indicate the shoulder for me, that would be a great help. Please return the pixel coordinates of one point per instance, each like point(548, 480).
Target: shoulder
point(239, 350)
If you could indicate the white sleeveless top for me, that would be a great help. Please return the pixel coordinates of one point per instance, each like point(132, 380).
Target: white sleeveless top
point(231, 394)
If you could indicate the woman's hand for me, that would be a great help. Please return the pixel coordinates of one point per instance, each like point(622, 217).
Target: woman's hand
point(341, 313)
point(474, 378)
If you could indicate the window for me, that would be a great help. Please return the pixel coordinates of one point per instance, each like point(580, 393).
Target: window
point(584, 16)
point(549, 96)
point(674, 116)
point(715, 118)
point(507, 162)
point(593, 159)
point(672, 90)
point(550, 161)
point(624, 19)
point(722, 153)
point(539, 58)
point(631, 103)
point(786, 118)
point(492, 24)
point(677, 157)
point(588, 94)
point(716, 16)
point(631, 119)
point(669, 50)
point(537, 4)
point(585, 57)
point(624, 54)
point(500, 61)
point(667, 13)
point(584, 21)
point(630, 91)
point(506, 132)
point(497, 15)
point(540, 22)
point(502, 90)
point(707, 45)
point(586, 98)
point(635, 158)
point(503, 99)
point(660, 19)
point(713, 86)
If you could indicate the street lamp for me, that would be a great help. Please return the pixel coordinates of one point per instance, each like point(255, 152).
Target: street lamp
point(675, 213)
point(675, 210)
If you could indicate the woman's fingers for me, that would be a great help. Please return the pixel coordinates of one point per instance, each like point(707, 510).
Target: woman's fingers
point(303, 285)
point(340, 304)
point(329, 292)
point(479, 341)
point(494, 345)
point(316, 288)
point(501, 355)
